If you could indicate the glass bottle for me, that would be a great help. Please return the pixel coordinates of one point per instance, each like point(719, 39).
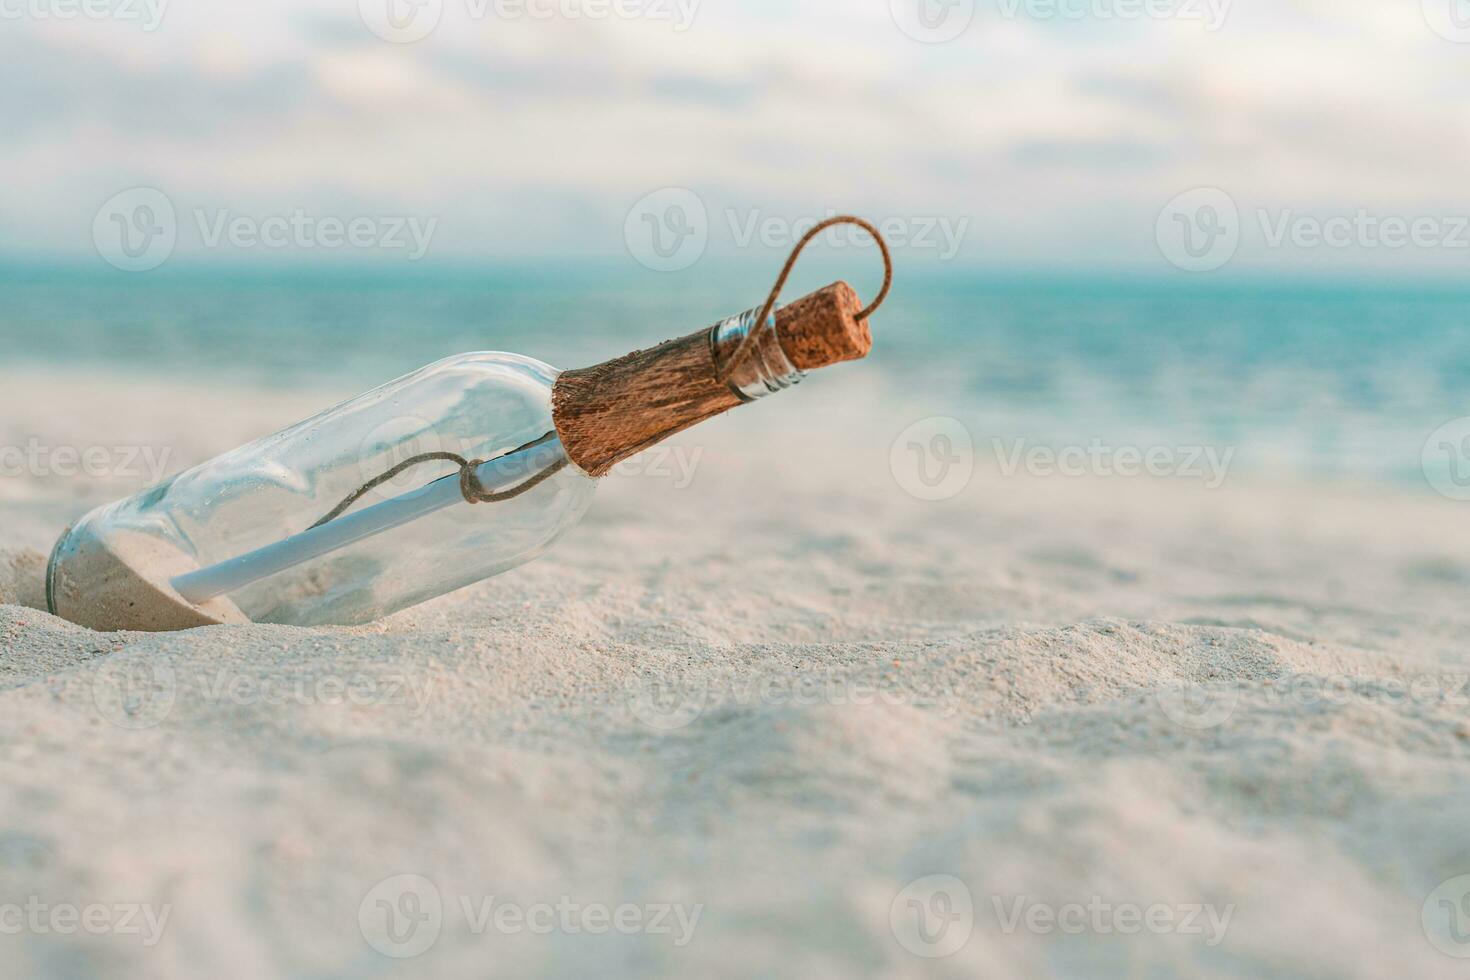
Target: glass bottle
point(442, 478)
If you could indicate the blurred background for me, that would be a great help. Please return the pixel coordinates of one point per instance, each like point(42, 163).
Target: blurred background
point(1180, 221)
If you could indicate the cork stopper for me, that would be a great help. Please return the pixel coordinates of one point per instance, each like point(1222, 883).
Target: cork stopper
point(606, 413)
point(822, 328)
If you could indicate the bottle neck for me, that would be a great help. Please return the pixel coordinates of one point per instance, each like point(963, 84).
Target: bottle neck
point(608, 412)
point(767, 369)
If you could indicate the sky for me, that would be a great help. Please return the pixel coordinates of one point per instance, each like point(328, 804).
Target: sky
point(1128, 134)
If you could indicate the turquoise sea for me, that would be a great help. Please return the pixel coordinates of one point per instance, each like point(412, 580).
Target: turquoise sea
point(1327, 379)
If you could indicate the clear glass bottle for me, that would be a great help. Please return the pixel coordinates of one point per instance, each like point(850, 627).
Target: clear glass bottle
point(479, 406)
point(446, 476)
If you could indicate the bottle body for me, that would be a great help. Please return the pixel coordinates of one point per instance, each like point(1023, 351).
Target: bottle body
point(459, 471)
point(248, 502)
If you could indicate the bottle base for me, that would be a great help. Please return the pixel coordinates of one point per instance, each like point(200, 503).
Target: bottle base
point(122, 583)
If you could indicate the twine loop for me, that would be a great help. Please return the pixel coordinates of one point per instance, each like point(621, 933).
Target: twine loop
point(747, 344)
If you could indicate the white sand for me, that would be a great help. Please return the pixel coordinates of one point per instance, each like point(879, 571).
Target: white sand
point(1026, 736)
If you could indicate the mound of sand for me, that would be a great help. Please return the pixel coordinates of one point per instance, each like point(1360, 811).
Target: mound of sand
point(792, 713)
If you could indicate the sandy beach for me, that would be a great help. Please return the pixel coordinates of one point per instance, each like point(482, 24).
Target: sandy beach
point(1106, 619)
point(766, 712)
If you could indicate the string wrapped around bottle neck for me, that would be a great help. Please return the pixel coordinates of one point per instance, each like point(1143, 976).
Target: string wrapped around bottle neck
point(747, 345)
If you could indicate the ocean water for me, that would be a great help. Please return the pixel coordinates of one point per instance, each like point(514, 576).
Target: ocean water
point(1345, 379)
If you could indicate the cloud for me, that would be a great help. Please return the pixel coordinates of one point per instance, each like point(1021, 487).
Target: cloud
point(1060, 139)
